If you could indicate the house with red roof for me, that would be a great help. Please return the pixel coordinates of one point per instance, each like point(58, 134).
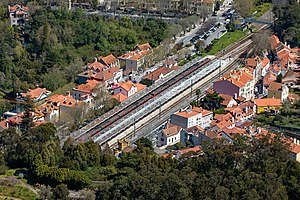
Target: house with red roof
point(236, 83)
point(64, 103)
point(170, 135)
point(85, 92)
point(16, 121)
point(133, 60)
point(109, 61)
point(190, 117)
point(125, 90)
point(278, 91)
point(267, 105)
point(295, 150)
point(35, 95)
point(18, 14)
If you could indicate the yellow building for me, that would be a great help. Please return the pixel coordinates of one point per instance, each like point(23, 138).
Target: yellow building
point(267, 105)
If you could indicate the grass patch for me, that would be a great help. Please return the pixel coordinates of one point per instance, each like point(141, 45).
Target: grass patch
point(18, 192)
point(224, 41)
point(261, 9)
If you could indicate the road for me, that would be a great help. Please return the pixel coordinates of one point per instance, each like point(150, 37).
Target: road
point(219, 19)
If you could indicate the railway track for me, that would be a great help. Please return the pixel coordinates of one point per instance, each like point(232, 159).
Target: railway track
point(136, 128)
point(105, 124)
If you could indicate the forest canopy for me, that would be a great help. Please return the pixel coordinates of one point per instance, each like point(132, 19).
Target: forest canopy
point(53, 46)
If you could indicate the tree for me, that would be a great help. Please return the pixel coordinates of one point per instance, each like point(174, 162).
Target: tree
point(144, 143)
point(279, 78)
point(200, 44)
point(243, 7)
point(212, 101)
point(45, 192)
point(61, 192)
point(261, 42)
point(27, 118)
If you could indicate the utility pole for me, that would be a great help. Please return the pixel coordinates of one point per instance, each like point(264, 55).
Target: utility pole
point(133, 127)
point(159, 109)
point(191, 88)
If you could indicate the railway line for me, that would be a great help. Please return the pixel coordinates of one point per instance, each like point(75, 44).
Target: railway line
point(101, 126)
point(181, 103)
point(132, 128)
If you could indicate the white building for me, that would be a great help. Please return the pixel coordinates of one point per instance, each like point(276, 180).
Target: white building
point(128, 88)
point(18, 14)
point(192, 117)
point(170, 135)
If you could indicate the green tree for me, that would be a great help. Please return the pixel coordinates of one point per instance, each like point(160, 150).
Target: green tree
point(61, 192)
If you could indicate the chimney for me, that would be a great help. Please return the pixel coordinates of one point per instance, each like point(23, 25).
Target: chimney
point(295, 141)
point(235, 96)
point(298, 142)
point(95, 59)
point(285, 43)
point(68, 93)
point(7, 124)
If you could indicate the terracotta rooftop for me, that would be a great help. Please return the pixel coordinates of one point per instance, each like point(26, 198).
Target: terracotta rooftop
point(253, 62)
point(35, 93)
point(142, 47)
point(195, 129)
point(88, 87)
point(16, 7)
point(239, 78)
point(265, 61)
point(274, 40)
point(227, 99)
point(171, 130)
point(120, 97)
point(108, 60)
point(274, 86)
point(128, 85)
point(193, 112)
point(59, 100)
point(156, 74)
point(267, 102)
point(295, 148)
point(96, 66)
point(196, 149)
point(103, 76)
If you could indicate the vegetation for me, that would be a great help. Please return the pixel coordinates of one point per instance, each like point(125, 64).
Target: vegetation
point(260, 9)
point(260, 166)
point(288, 119)
point(227, 39)
point(51, 49)
point(18, 192)
point(287, 22)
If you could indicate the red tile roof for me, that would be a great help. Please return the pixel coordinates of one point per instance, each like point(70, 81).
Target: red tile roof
point(143, 47)
point(239, 78)
point(196, 149)
point(274, 86)
point(171, 130)
point(108, 60)
point(267, 102)
point(35, 93)
point(274, 40)
point(265, 61)
point(88, 87)
point(96, 66)
point(59, 100)
point(120, 97)
point(156, 74)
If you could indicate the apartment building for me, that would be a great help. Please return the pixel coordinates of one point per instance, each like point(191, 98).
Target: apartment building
point(236, 83)
point(192, 117)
